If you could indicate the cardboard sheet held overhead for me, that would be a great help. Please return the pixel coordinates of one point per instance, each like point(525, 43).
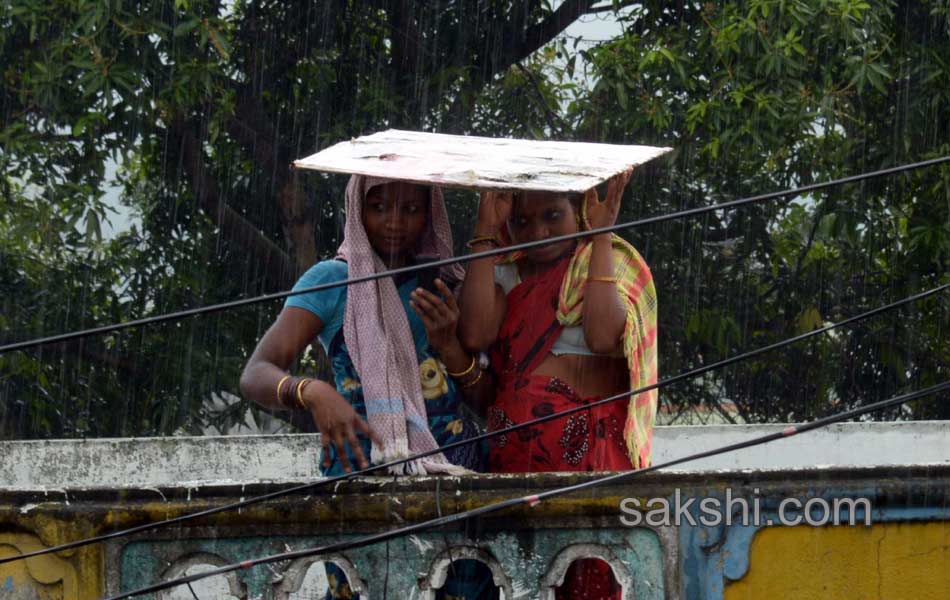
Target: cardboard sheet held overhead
point(480, 162)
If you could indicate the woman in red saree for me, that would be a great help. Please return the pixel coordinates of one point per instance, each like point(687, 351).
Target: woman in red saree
point(566, 324)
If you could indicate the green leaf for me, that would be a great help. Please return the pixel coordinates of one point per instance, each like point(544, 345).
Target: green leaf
point(693, 327)
point(828, 226)
point(809, 320)
point(621, 96)
point(93, 228)
point(185, 27)
point(220, 44)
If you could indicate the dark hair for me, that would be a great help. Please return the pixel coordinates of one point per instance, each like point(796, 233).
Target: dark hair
point(574, 198)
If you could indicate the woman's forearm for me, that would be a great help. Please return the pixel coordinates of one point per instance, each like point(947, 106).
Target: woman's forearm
point(478, 323)
point(480, 393)
point(455, 358)
point(604, 315)
point(275, 353)
point(462, 366)
point(259, 384)
point(260, 380)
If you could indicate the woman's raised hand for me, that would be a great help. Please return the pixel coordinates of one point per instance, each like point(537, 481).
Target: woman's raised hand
point(439, 316)
point(604, 214)
point(338, 423)
point(494, 208)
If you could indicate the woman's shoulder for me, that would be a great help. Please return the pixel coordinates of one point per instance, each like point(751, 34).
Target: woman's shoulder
point(325, 271)
point(323, 303)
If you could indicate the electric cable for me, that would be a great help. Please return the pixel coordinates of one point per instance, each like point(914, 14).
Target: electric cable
point(191, 312)
point(535, 499)
point(192, 590)
point(480, 437)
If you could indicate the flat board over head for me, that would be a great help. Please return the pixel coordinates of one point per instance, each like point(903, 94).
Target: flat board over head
point(480, 162)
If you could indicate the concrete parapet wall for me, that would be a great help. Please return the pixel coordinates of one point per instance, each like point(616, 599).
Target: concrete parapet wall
point(55, 492)
point(156, 462)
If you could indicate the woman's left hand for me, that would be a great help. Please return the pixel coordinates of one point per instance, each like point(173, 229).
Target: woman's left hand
point(604, 214)
point(439, 316)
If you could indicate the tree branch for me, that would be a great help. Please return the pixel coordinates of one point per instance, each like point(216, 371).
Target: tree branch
point(550, 115)
point(298, 221)
point(612, 8)
point(278, 272)
point(535, 37)
point(253, 131)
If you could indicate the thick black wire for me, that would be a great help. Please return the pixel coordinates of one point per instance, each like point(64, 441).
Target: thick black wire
point(534, 499)
point(192, 590)
point(65, 337)
point(483, 436)
point(487, 435)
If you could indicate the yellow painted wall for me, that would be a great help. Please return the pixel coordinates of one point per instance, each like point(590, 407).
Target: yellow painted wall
point(890, 561)
point(48, 577)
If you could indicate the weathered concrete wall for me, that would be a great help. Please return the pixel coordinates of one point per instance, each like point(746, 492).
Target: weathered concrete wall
point(54, 492)
point(844, 444)
point(156, 462)
point(527, 547)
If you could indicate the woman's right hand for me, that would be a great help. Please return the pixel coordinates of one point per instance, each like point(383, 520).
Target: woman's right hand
point(338, 423)
point(494, 208)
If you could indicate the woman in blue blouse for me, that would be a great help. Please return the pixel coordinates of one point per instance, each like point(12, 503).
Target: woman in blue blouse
point(399, 369)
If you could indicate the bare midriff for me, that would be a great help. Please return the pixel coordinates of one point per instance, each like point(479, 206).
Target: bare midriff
point(596, 376)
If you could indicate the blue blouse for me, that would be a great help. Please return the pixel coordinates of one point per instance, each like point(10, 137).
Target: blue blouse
point(442, 398)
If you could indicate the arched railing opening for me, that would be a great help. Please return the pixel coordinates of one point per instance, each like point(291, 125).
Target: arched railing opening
point(226, 587)
point(590, 579)
point(320, 577)
point(470, 579)
point(465, 572)
point(589, 572)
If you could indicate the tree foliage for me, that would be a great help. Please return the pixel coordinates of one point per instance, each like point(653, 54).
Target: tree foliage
point(189, 112)
point(765, 95)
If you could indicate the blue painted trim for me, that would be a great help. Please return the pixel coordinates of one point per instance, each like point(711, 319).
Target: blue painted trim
point(712, 554)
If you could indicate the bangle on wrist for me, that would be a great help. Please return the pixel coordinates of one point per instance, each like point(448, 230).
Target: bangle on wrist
point(285, 393)
point(279, 384)
point(465, 372)
point(300, 388)
point(475, 380)
point(481, 239)
point(604, 279)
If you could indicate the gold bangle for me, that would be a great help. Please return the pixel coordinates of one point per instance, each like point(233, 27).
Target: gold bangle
point(474, 381)
point(280, 383)
point(465, 372)
point(604, 279)
point(478, 239)
point(300, 387)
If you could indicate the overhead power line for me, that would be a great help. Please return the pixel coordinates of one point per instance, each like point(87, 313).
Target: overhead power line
point(534, 499)
point(182, 314)
point(484, 436)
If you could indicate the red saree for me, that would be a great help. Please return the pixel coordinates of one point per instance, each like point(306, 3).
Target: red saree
point(590, 440)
